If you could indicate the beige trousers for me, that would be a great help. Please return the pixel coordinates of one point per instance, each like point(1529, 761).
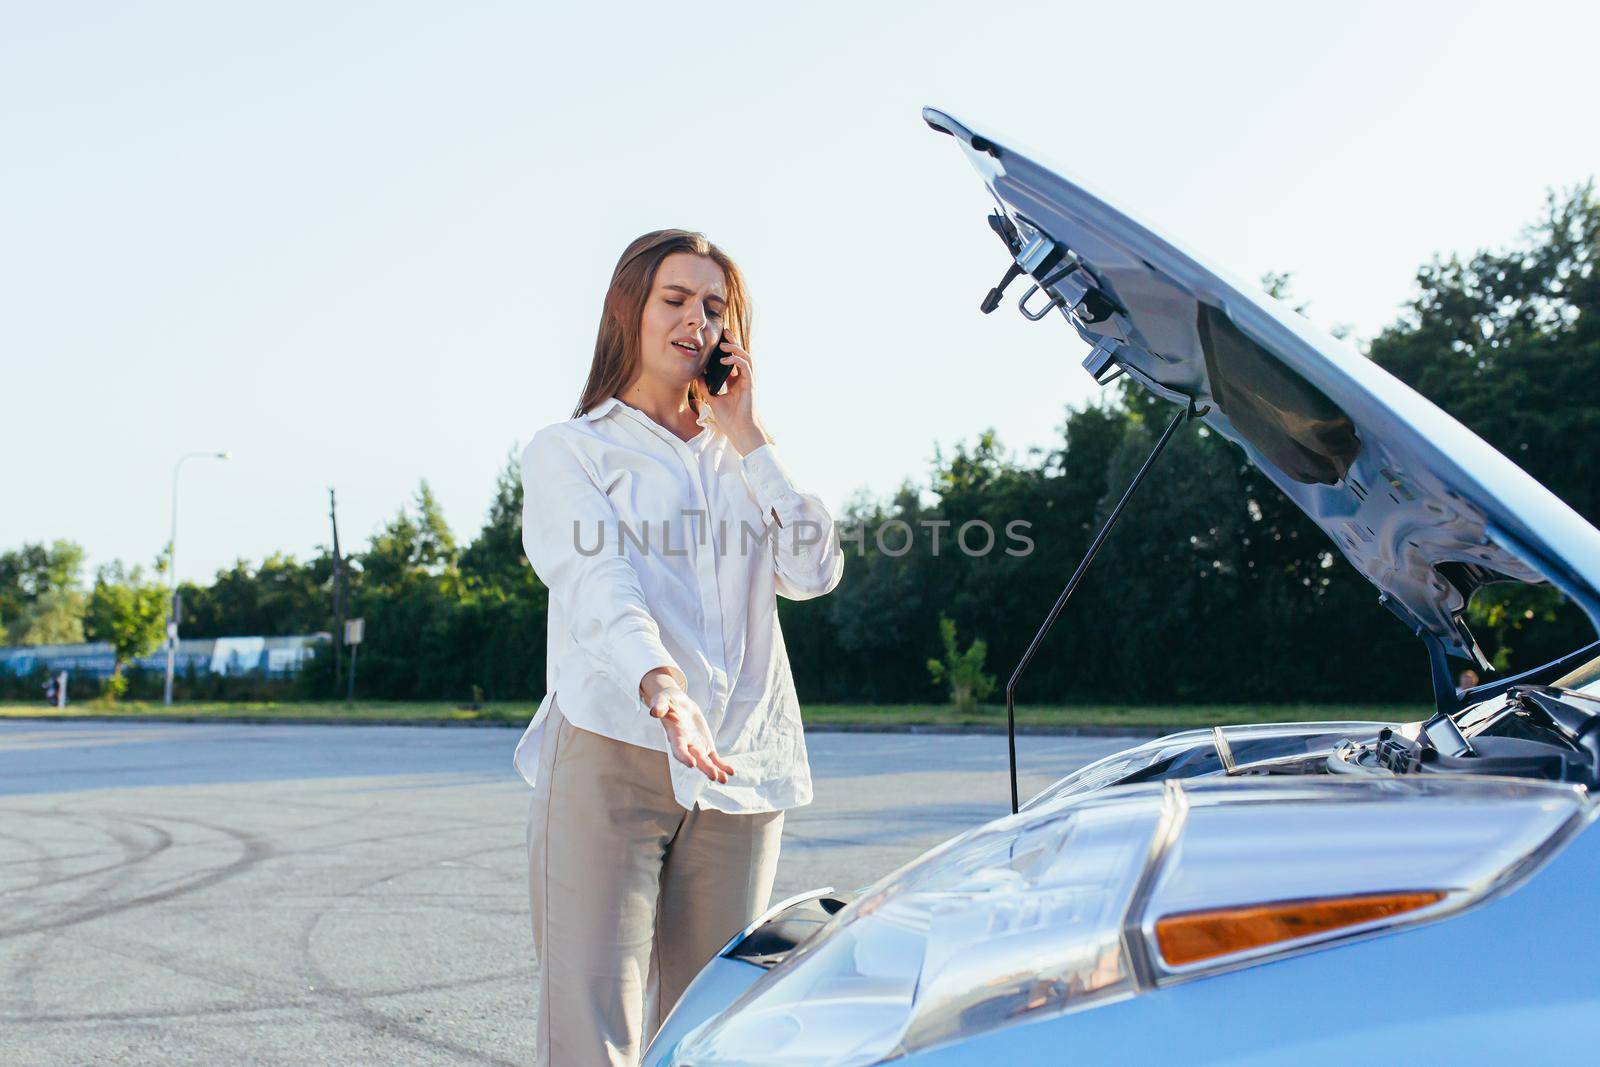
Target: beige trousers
point(631, 894)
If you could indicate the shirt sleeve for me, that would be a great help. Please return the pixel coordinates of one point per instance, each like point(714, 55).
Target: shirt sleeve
point(562, 508)
point(805, 549)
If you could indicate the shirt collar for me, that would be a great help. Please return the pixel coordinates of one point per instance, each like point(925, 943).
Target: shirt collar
point(706, 419)
point(601, 409)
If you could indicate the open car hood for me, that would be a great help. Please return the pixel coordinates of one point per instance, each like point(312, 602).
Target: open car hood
point(1422, 506)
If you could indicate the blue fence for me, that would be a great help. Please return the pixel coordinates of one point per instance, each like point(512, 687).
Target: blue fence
point(271, 657)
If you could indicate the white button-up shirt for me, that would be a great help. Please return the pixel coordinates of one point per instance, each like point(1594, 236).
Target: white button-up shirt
point(660, 552)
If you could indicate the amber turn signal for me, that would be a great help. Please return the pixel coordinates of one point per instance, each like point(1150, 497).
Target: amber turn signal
point(1195, 936)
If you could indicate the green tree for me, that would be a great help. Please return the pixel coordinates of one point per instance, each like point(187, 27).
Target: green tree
point(409, 588)
point(863, 641)
point(961, 671)
point(41, 597)
point(495, 558)
point(1166, 584)
point(415, 544)
point(129, 611)
point(1508, 342)
point(281, 596)
point(54, 618)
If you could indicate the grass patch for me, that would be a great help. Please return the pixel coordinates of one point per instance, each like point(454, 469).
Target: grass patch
point(1133, 717)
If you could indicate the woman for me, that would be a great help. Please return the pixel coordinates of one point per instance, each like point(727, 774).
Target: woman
point(669, 742)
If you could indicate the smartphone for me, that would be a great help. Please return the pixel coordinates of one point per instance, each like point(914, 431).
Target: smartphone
point(716, 372)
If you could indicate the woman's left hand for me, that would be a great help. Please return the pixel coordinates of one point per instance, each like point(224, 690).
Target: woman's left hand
point(735, 407)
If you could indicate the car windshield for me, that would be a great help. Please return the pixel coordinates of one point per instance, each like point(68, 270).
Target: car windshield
point(1586, 679)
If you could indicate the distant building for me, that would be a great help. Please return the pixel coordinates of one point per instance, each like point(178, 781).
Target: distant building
point(272, 657)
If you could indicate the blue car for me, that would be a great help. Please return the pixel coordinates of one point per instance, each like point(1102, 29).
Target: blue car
point(1317, 893)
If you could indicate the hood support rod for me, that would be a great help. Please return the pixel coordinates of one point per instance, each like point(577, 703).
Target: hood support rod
point(1072, 584)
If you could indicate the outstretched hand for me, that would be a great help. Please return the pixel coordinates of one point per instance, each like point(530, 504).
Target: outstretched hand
point(688, 734)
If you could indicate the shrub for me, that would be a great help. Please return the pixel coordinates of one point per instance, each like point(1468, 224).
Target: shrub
point(962, 671)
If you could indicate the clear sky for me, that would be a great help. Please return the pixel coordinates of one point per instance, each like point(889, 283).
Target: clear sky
point(364, 245)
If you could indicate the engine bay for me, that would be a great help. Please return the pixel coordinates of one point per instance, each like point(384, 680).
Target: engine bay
point(1550, 733)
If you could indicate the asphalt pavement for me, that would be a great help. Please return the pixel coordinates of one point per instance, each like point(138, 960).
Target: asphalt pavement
point(221, 894)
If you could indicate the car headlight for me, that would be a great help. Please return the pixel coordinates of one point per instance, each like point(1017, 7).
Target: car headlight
point(1085, 900)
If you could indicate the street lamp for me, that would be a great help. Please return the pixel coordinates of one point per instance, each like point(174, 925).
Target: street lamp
point(172, 567)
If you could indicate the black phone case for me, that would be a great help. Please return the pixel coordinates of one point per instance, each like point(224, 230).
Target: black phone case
point(716, 372)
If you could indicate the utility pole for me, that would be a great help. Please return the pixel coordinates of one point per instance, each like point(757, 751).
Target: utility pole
point(338, 594)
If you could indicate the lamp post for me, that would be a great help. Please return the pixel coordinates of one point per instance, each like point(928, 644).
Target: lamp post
point(172, 567)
